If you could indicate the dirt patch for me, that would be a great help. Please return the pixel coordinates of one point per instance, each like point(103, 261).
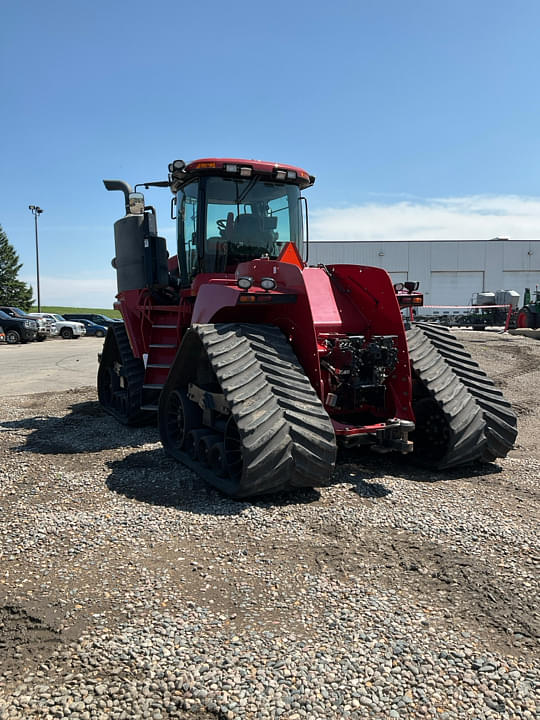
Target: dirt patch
point(24, 637)
point(456, 587)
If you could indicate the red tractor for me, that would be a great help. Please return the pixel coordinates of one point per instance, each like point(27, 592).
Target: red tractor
point(258, 365)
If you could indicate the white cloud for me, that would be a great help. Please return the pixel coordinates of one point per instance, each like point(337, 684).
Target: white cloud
point(75, 291)
point(477, 217)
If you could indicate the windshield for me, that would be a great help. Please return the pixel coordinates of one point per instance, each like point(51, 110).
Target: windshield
point(243, 219)
point(58, 317)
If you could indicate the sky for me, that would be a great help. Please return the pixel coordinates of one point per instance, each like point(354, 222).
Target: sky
point(419, 118)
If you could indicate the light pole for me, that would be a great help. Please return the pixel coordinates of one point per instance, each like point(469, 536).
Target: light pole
point(36, 212)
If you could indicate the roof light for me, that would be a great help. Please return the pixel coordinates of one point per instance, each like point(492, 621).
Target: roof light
point(246, 171)
point(281, 174)
point(202, 165)
point(229, 167)
point(268, 283)
point(178, 165)
point(245, 282)
point(291, 174)
point(398, 287)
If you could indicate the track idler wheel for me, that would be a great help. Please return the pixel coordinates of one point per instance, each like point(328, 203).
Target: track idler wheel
point(205, 444)
point(232, 445)
point(432, 432)
point(109, 387)
point(217, 459)
point(193, 438)
point(183, 418)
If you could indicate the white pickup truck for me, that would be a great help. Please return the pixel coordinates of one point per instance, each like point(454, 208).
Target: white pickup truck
point(65, 328)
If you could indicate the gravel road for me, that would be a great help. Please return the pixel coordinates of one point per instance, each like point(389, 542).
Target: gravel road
point(128, 589)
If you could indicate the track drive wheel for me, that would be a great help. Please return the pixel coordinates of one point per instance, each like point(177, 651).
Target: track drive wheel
point(499, 418)
point(120, 379)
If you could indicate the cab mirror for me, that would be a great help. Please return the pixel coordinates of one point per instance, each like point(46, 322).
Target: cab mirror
point(136, 203)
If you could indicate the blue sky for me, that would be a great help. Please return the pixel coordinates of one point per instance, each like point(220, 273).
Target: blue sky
point(419, 118)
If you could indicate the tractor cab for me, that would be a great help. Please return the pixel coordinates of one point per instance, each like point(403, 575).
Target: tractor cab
point(231, 211)
point(227, 212)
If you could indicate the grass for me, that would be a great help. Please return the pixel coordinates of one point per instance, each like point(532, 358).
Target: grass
point(73, 310)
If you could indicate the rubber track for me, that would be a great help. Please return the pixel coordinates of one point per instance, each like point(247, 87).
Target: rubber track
point(134, 372)
point(501, 421)
point(287, 435)
point(463, 417)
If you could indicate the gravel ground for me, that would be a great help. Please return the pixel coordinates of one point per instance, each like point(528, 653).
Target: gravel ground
point(128, 589)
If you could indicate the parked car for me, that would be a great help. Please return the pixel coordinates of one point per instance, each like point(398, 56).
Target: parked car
point(18, 330)
point(43, 328)
point(94, 317)
point(93, 329)
point(65, 328)
point(2, 335)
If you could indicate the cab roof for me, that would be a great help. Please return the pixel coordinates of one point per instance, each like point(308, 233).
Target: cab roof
point(239, 167)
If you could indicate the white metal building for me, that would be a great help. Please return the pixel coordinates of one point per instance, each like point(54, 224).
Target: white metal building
point(449, 272)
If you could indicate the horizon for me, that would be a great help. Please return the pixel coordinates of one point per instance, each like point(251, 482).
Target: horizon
point(415, 121)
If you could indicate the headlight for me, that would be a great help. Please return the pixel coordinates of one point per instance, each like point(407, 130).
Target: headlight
point(245, 282)
point(268, 283)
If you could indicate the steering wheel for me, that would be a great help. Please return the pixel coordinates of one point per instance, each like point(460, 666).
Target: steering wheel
point(226, 227)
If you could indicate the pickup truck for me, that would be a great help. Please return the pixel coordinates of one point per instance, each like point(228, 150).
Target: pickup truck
point(18, 330)
point(65, 328)
point(44, 330)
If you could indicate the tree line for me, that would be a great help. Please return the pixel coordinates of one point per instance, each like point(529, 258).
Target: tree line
point(13, 291)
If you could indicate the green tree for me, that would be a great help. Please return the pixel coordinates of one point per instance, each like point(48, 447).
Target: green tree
point(12, 290)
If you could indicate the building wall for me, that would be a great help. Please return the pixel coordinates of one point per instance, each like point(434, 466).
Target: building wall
point(449, 272)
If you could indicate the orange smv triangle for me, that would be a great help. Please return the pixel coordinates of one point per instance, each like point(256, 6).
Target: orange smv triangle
point(290, 254)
